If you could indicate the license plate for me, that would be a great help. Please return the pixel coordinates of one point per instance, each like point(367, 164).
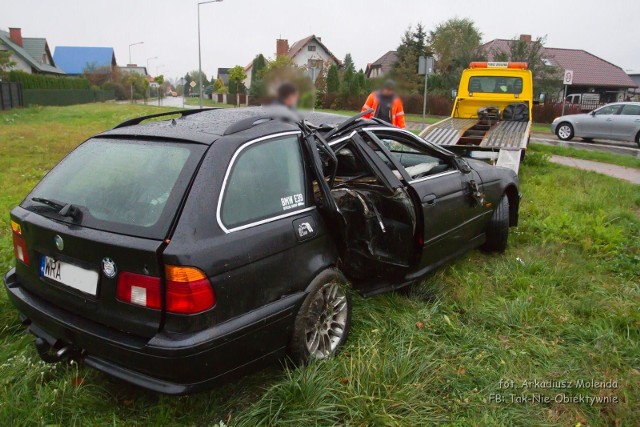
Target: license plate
point(69, 275)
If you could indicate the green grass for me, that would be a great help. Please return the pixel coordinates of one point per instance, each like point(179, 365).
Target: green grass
point(561, 303)
point(597, 156)
point(206, 103)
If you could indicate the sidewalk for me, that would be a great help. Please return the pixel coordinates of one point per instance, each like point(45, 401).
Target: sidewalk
point(628, 174)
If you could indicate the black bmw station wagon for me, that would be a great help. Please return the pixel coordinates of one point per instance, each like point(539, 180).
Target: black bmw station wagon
point(173, 254)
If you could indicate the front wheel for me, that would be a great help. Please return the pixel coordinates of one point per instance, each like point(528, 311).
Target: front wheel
point(565, 131)
point(323, 322)
point(498, 228)
point(638, 139)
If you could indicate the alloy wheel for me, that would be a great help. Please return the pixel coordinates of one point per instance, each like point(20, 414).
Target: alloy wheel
point(564, 132)
point(327, 320)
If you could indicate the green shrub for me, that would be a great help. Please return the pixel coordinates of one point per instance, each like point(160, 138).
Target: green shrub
point(39, 81)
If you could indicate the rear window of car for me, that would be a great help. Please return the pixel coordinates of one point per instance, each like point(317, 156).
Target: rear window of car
point(124, 186)
point(495, 84)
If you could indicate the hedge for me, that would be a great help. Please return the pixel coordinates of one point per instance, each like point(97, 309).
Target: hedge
point(40, 81)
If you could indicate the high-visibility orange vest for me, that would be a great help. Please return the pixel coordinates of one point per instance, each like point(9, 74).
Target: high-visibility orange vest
point(397, 111)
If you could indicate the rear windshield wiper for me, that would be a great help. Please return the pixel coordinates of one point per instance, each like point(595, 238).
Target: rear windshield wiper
point(66, 210)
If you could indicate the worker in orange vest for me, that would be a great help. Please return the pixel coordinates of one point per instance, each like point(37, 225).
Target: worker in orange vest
point(386, 104)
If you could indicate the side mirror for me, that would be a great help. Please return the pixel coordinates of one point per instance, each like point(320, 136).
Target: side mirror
point(463, 165)
point(593, 113)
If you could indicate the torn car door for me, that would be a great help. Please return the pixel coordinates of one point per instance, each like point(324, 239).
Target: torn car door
point(378, 216)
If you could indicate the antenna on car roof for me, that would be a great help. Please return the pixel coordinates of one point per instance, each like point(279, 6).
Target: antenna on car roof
point(344, 125)
point(181, 113)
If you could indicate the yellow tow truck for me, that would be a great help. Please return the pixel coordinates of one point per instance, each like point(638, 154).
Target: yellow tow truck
point(491, 117)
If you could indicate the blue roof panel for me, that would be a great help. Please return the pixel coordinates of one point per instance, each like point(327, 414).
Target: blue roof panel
point(75, 59)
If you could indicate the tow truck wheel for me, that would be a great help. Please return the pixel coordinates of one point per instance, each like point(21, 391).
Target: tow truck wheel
point(324, 319)
point(565, 131)
point(498, 228)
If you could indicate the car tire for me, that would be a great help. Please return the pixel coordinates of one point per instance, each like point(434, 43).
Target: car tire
point(497, 232)
point(638, 139)
point(564, 131)
point(324, 319)
point(587, 139)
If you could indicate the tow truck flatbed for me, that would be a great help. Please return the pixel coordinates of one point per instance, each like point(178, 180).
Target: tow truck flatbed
point(501, 135)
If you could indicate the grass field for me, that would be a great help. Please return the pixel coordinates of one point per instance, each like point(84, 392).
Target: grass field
point(561, 304)
point(597, 156)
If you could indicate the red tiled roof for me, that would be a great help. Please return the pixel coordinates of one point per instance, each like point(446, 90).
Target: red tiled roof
point(588, 69)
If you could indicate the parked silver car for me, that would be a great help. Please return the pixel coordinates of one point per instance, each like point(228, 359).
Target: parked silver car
point(619, 121)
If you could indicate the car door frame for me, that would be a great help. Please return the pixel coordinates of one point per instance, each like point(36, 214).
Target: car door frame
point(629, 124)
point(598, 125)
point(461, 229)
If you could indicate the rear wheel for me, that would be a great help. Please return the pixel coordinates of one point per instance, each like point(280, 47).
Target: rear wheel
point(324, 319)
point(587, 139)
point(638, 139)
point(498, 228)
point(565, 131)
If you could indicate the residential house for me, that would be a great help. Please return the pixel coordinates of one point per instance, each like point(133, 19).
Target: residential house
point(309, 53)
point(31, 54)
point(134, 68)
point(223, 74)
point(591, 74)
point(381, 66)
point(634, 93)
point(75, 60)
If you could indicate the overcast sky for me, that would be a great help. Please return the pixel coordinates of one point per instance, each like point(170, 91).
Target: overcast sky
point(234, 31)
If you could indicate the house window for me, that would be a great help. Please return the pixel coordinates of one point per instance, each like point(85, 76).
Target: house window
point(311, 48)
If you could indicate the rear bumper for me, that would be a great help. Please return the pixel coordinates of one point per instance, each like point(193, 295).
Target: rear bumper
point(166, 363)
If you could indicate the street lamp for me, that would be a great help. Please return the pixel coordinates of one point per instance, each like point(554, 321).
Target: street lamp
point(132, 44)
point(200, 50)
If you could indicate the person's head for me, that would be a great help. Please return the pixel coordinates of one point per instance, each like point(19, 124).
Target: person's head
point(288, 95)
point(388, 88)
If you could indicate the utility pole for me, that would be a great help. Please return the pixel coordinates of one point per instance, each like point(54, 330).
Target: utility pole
point(425, 68)
point(200, 49)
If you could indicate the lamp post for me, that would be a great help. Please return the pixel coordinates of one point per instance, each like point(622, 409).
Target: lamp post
point(200, 50)
point(132, 44)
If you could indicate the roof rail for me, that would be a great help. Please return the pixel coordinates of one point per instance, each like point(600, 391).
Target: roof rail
point(182, 113)
point(276, 113)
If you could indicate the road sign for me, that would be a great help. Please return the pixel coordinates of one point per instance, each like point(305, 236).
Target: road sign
point(192, 84)
point(425, 65)
point(568, 77)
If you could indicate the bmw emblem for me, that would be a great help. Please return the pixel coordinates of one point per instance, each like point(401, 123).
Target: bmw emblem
point(59, 242)
point(109, 268)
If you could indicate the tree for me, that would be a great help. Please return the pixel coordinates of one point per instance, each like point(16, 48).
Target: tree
point(283, 69)
point(258, 67)
point(6, 63)
point(455, 43)
point(219, 87)
point(348, 75)
point(333, 80)
point(405, 70)
point(236, 79)
point(547, 78)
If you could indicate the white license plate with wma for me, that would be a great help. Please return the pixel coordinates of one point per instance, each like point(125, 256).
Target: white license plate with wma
point(69, 275)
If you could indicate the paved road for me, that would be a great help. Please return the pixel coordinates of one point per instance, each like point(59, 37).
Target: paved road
point(628, 174)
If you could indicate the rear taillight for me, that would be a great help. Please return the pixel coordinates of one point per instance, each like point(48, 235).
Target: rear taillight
point(188, 290)
point(139, 290)
point(19, 245)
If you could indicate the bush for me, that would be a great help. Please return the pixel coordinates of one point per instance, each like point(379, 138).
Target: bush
point(39, 81)
point(545, 113)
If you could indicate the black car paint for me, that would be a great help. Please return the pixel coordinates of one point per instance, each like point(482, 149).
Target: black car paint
point(259, 274)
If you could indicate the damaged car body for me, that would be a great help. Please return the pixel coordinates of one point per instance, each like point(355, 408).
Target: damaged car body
point(177, 254)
